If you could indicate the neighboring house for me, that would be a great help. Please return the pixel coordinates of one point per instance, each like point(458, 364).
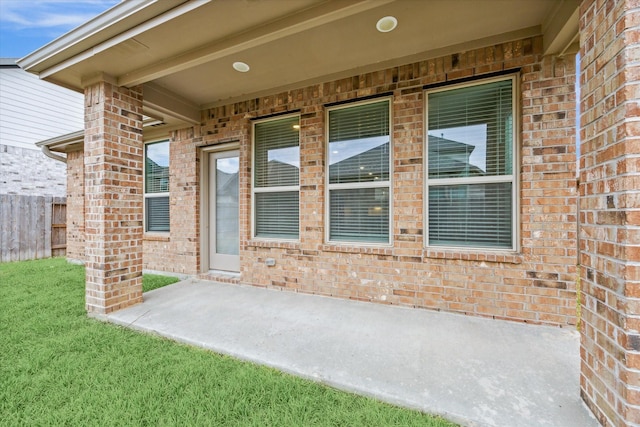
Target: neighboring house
point(32, 185)
point(451, 158)
point(32, 110)
point(454, 136)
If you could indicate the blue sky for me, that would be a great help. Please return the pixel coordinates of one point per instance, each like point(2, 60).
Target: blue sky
point(26, 25)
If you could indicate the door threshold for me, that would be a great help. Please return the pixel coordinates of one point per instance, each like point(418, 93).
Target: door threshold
point(221, 276)
point(223, 273)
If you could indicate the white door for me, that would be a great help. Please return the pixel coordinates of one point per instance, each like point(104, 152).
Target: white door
point(224, 212)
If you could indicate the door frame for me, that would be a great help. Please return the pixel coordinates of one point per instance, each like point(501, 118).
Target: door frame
point(205, 203)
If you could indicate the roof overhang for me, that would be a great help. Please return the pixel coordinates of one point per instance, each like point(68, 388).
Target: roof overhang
point(182, 51)
point(8, 63)
point(64, 143)
point(74, 141)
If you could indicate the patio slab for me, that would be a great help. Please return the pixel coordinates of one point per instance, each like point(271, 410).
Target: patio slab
point(474, 371)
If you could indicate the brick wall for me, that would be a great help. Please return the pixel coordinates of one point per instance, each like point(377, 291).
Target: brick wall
point(536, 285)
point(179, 251)
point(113, 158)
point(75, 206)
point(609, 203)
point(30, 172)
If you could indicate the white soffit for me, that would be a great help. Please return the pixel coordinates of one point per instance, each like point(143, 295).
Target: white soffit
point(186, 50)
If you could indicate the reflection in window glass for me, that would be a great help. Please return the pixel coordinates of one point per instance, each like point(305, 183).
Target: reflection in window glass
point(277, 153)
point(471, 131)
point(360, 160)
point(359, 182)
point(227, 206)
point(470, 179)
point(157, 167)
point(277, 178)
point(156, 186)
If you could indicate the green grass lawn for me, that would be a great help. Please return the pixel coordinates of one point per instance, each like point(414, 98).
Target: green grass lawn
point(154, 281)
point(58, 367)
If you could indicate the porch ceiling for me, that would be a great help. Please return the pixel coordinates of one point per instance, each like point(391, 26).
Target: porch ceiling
point(184, 51)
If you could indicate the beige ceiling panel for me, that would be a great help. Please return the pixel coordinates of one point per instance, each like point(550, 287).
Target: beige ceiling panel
point(353, 42)
point(218, 20)
point(189, 49)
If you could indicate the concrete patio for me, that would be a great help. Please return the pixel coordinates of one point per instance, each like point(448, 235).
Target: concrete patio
point(474, 371)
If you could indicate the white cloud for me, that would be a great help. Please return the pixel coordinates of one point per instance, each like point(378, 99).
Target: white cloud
point(29, 14)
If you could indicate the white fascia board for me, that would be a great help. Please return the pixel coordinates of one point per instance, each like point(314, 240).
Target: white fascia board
point(92, 27)
point(63, 142)
point(87, 41)
point(8, 62)
point(62, 139)
point(58, 143)
point(122, 37)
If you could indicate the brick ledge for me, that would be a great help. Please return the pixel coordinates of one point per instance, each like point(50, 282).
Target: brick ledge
point(509, 258)
point(156, 237)
point(273, 244)
point(349, 249)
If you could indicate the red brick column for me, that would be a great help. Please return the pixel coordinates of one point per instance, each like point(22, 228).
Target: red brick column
point(113, 156)
point(610, 210)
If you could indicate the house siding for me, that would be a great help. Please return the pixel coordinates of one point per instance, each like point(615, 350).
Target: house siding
point(33, 110)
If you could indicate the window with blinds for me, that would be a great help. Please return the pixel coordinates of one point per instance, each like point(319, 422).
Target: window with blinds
point(359, 153)
point(156, 186)
point(470, 179)
point(276, 178)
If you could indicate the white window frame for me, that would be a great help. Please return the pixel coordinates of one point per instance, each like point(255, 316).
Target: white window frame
point(279, 189)
point(513, 178)
point(354, 186)
point(154, 195)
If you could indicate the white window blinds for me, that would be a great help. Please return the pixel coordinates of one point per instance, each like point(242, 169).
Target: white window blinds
point(157, 213)
point(470, 168)
point(359, 180)
point(276, 178)
point(156, 186)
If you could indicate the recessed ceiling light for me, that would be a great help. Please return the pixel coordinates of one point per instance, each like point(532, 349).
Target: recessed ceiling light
point(386, 24)
point(241, 66)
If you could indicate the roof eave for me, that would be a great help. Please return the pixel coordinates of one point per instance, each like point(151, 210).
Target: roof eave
point(90, 33)
point(64, 143)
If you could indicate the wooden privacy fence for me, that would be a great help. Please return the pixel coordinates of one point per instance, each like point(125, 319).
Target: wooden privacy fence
point(32, 227)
